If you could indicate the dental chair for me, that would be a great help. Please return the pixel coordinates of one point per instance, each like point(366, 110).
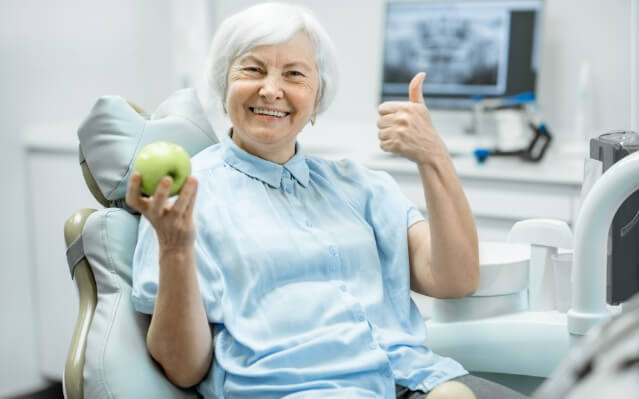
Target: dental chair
point(108, 356)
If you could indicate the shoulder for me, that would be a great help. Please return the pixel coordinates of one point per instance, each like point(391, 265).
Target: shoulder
point(347, 171)
point(208, 167)
point(207, 160)
point(358, 184)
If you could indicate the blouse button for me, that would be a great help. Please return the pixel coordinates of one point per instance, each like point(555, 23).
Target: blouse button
point(308, 224)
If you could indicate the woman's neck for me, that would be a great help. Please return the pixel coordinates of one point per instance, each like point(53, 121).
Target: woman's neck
point(278, 153)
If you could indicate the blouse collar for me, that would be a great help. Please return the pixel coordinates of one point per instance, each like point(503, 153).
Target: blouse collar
point(269, 172)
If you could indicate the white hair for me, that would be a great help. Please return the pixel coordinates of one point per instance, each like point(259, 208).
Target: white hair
point(268, 24)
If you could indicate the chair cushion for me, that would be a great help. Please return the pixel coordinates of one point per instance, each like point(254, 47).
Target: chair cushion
point(113, 133)
point(117, 363)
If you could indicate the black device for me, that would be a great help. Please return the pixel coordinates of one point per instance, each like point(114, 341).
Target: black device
point(469, 49)
point(533, 152)
point(623, 240)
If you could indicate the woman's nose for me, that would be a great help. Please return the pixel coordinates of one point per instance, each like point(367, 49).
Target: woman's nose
point(271, 88)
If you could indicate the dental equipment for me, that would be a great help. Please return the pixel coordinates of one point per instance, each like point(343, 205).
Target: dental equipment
point(589, 277)
point(519, 337)
point(623, 249)
point(533, 152)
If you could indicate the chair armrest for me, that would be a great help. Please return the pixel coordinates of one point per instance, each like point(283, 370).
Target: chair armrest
point(87, 291)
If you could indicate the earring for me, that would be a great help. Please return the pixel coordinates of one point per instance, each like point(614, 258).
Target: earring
point(313, 118)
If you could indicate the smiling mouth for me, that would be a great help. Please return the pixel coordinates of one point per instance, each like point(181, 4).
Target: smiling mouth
point(269, 112)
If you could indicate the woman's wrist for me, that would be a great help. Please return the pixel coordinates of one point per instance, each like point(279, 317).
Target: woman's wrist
point(434, 161)
point(432, 153)
point(176, 254)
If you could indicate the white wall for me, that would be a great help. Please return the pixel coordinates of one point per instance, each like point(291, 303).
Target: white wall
point(594, 32)
point(56, 58)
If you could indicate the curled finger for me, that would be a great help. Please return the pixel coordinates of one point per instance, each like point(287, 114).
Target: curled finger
point(187, 195)
point(385, 134)
point(188, 212)
point(389, 107)
point(385, 121)
point(386, 145)
point(133, 197)
point(159, 198)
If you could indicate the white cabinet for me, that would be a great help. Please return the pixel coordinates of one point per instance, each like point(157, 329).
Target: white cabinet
point(497, 202)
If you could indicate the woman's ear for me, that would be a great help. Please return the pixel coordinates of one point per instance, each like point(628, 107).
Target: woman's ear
point(315, 108)
point(318, 99)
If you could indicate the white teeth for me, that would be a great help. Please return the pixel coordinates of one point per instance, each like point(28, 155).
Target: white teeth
point(269, 112)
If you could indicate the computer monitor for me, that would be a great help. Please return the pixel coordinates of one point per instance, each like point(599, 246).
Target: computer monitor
point(469, 49)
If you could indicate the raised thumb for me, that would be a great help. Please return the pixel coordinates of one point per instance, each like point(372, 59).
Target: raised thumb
point(415, 88)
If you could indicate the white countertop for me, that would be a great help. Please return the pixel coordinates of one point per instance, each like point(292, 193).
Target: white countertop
point(552, 170)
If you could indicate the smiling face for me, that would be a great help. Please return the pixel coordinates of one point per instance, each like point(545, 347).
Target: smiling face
point(272, 94)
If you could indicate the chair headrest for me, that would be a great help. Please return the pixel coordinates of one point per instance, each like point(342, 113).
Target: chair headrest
point(113, 133)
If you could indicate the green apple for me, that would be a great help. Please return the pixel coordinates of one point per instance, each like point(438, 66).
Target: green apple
point(159, 159)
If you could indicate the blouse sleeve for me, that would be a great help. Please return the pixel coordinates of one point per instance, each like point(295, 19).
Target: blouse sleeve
point(145, 267)
point(376, 195)
point(145, 273)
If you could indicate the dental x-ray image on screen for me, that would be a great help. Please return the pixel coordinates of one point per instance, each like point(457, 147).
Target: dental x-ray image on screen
point(467, 48)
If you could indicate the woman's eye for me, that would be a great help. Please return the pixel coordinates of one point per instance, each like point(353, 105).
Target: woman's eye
point(251, 69)
point(295, 74)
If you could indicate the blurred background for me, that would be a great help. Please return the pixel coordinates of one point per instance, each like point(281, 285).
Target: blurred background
point(57, 58)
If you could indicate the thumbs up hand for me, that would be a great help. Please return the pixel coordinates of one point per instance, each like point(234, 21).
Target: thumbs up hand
point(406, 129)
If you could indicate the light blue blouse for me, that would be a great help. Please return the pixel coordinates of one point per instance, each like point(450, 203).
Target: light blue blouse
point(303, 268)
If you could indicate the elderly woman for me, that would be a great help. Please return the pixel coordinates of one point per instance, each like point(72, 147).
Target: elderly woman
point(279, 274)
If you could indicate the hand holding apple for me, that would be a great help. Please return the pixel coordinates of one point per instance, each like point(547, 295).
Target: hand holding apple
point(162, 169)
point(160, 159)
